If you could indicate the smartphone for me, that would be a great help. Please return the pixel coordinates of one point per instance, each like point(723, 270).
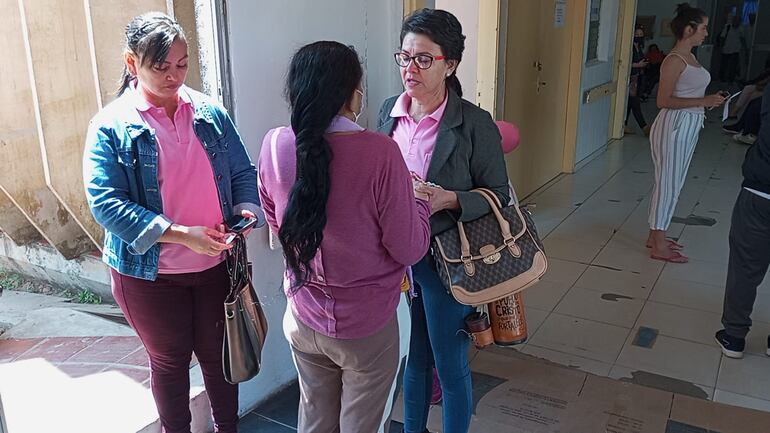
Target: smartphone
point(238, 223)
point(229, 237)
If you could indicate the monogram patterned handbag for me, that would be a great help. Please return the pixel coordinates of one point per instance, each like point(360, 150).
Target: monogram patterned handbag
point(491, 257)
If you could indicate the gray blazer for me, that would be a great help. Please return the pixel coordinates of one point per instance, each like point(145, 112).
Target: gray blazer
point(468, 154)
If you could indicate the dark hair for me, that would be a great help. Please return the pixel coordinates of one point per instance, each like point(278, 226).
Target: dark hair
point(653, 45)
point(322, 78)
point(445, 30)
point(686, 16)
point(149, 37)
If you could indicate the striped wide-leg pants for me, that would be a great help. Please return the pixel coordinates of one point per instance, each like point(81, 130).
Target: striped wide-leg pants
point(673, 138)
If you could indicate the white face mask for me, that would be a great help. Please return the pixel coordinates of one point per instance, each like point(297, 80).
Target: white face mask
point(360, 110)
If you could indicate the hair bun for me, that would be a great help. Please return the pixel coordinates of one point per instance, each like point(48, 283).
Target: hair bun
point(681, 7)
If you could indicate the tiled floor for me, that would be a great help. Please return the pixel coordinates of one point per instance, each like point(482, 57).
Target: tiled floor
point(82, 356)
point(602, 287)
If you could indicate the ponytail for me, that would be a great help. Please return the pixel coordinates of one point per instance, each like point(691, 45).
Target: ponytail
point(453, 83)
point(125, 81)
point(322, 78)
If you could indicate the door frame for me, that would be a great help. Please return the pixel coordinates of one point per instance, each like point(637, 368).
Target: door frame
point(626, 21)
point(577, 23)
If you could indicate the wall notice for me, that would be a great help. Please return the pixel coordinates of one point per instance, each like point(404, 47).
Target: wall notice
point(560, 13)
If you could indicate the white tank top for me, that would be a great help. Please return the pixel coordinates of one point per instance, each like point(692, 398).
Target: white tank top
point(692, 83)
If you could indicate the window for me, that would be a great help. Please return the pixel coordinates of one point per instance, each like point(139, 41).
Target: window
point(594, 24)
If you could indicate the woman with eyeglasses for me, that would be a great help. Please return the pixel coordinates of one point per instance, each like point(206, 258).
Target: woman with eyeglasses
point(455, 145)
point(342, 202)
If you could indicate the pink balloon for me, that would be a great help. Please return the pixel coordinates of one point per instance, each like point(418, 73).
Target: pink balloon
point(510, 134)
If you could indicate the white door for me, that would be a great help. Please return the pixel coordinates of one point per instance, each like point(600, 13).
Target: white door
point(598, 69)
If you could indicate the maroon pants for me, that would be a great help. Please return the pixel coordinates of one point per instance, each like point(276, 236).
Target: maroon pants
point(174, 316)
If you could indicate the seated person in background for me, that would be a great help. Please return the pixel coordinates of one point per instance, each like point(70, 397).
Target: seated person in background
point(743, 120)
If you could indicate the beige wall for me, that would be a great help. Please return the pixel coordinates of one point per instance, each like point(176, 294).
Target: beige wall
point(63, 62)
point(184, 13)
point(467, 12)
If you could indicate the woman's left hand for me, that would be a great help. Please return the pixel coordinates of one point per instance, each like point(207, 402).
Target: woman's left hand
point(440, 199)
point(244, 213)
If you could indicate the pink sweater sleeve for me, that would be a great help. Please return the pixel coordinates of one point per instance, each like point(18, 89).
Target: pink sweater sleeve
point(404, 220)
point(265, 180)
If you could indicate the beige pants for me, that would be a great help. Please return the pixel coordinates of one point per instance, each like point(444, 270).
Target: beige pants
point(344, 384)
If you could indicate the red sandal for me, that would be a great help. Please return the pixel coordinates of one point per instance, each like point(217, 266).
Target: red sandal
point(672, 245)
point(675, 257)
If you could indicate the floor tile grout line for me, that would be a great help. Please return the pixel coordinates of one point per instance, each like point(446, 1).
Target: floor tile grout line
point(568, 353)
point(36, 345)
point(690, 341)
point(86, 347)
point(742, 395)
point(592, 320)
point(698, 310)
point(140, 347)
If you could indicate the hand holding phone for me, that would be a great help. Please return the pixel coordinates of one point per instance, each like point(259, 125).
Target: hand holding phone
point(236, 225)
point(239, 223)
point(715, 100)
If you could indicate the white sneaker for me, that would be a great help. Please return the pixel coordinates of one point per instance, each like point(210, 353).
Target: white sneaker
point(745, 139)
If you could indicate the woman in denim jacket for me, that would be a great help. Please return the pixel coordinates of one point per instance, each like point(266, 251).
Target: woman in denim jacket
point(163, 168)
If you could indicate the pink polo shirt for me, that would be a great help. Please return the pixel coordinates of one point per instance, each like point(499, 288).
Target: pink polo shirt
point(416, 140)
point(375, 228)
point(186, 181)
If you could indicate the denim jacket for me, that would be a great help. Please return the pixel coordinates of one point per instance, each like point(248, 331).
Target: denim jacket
point(120, 172)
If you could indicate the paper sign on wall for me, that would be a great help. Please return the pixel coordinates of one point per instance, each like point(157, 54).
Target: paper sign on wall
point(560, 13)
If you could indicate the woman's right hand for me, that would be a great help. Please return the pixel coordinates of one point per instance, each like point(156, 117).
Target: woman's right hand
point(712, 101)
point(202, 240)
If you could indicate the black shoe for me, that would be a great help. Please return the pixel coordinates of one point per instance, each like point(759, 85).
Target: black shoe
point(732, 347)
point(731, 129)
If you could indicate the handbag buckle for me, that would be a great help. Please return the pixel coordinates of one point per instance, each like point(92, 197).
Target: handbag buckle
point(513, 248)
point(490, 255)
point(470, 268)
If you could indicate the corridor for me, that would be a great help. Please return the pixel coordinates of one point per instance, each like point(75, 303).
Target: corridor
point(601, 287)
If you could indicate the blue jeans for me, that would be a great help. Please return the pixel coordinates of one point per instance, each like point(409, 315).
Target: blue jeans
point(436, 320)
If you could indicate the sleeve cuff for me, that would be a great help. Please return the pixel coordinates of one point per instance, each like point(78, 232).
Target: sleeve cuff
point(254, 208)
point(150, 235)
point(472, 205)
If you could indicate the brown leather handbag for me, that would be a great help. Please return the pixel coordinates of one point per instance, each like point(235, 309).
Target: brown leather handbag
point(245, 322)
point(491, 257)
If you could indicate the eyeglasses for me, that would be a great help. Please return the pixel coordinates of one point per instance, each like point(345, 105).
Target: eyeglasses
point(422, 61)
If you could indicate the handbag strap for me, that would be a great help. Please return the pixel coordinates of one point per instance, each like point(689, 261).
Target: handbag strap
point(237, 264)
point(490, 195)
point(505, 227)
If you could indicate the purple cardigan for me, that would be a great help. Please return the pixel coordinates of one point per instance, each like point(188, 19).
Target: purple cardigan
point(375, 229)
